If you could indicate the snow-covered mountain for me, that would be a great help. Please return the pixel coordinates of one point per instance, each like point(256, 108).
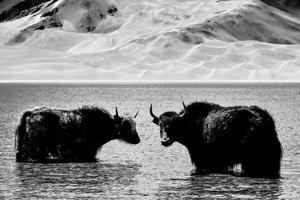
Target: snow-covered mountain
point(191, 40)
point(69, 15)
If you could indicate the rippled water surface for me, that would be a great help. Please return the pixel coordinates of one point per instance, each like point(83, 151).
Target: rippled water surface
point(147, 170)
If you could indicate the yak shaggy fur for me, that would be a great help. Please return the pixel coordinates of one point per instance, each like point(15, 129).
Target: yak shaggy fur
point(219, 138)
point(53, 135)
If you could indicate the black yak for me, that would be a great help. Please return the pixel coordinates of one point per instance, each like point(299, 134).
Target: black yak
point(53, 135)
point(220, 138)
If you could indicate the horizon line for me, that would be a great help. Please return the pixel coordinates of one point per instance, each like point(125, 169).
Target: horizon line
point(145, 82)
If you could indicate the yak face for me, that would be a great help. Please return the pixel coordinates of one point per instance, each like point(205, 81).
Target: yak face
point(169, 123)
point(128, 131)
point(127, 128)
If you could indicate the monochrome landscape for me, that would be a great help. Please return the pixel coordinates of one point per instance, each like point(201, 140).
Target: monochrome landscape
point(80, 56)
point(138, 40)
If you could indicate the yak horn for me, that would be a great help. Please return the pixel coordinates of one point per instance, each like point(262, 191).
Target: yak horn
point(184, 105)
point(184, 110)
point(151, 112)
point(136, 114)
point(117, 114)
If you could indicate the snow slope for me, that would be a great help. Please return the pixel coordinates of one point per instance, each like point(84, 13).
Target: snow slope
point(139, 40)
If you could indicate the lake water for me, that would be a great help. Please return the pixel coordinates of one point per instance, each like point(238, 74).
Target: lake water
point(147, 170)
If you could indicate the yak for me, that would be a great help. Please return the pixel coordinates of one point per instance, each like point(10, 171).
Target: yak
point(221, 139)
point(55, 135)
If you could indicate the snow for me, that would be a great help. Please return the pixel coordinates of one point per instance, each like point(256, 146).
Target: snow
point(169, 40)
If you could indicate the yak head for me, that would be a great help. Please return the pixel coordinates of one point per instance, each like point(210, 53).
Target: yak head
point(126, 126)
point(170, 124)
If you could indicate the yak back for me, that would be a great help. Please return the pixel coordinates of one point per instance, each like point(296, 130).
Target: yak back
point(97, 120)
point(211, 123)
point(89, 125)
point(197, 110)
point(238, 125)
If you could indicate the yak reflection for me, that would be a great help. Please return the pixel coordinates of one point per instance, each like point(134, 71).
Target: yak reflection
point(221, 186)
point(78, 180)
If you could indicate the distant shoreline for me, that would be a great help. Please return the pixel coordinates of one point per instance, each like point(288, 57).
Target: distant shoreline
point(149, 83)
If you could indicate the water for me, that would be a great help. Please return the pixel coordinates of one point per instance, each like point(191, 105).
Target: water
point(147, 170)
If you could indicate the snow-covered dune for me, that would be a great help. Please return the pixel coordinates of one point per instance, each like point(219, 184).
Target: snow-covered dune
point(139, 40)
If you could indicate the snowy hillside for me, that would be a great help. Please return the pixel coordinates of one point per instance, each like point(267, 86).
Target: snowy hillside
point(139, 40)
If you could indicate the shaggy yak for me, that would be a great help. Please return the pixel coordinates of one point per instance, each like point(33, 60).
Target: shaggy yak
point(220, 138)
point(52, 135)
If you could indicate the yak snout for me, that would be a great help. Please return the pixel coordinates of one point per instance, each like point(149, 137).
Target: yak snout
point(165, 140)
point(136, 139)
point(132, 138)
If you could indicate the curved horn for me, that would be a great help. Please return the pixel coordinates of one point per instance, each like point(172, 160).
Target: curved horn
point(117, 114)
point(151, 112)
point(184, 105)
point(136, 114)
point(184, 110)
